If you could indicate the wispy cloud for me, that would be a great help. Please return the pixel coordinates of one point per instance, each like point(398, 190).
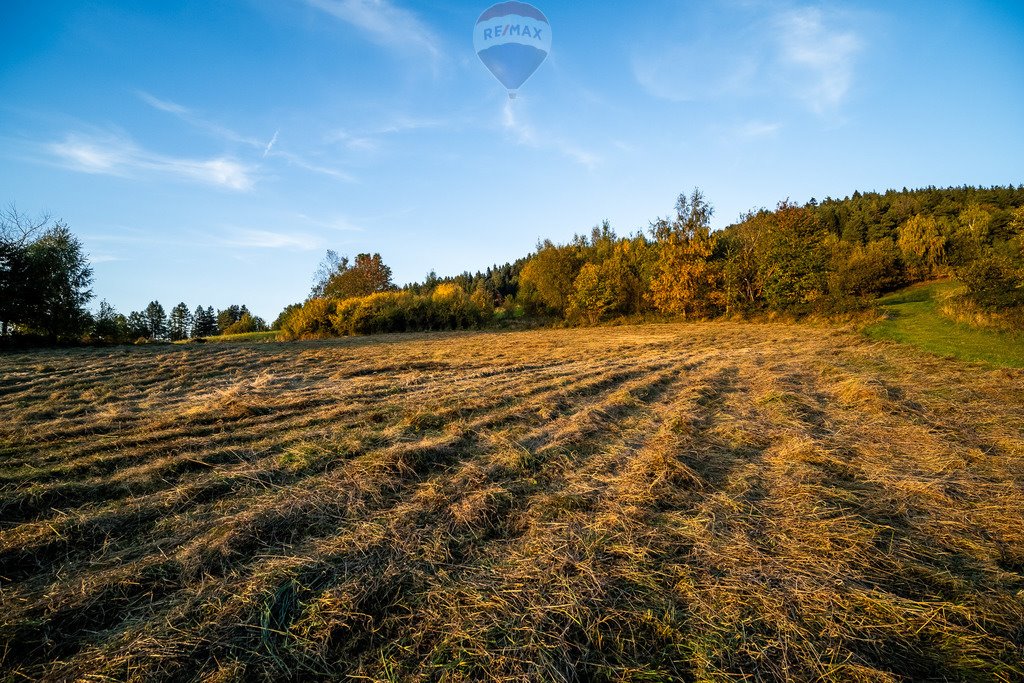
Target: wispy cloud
point(196, 121)
point(267, 239)
point(526, 134)
point(163, 105)
point(385, 24)
point(757, 129)
point(270, 145)
point(371, 139)
point(305, 164)
point(822, 55)
point(338, 223)
point(119, 156)
point(754, 50)
point(267, 148)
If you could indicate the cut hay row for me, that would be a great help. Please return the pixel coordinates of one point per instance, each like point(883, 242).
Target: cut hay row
point(696, 502)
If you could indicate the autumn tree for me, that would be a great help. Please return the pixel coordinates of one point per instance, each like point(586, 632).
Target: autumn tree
point(687, 282)
point(975, 221)
point(483, 297)
point(743, 249)
point(247, 323)
point(283, 316)
point(922, 244)
point(1016, 223)
point(615, 285)
point(794, 265)
point(995, 282)
point(337, 278)
point(229, 316)
point(865, 270)
point(593, 297)
point(552, 273)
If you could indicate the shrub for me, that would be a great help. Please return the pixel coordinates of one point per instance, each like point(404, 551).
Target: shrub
point(247, 323)
point(864, 271)
point(453, 309)
point(312, 321)
point(449, 307)
point(993, 282)
point(381, 312)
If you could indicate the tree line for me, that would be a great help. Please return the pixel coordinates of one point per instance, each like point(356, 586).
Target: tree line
point(154, 324)
point(828, 257)
point(46, 284)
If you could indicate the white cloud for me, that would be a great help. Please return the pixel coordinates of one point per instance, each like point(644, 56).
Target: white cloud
point(701, 70)
point(757, 129)
point(119, 156)
point(267, 239)
point(402, 123)
point(163, 105)
point(269, 149)
point(822, 56)
point(339, 223)
point(110, 156)
point(527, 135)
point(270, 145)
point(226, 172)
point(357, 143)
point(756, 51)
point(303, 163)
point(191, 118)
point(369, 139)
point(385, 24)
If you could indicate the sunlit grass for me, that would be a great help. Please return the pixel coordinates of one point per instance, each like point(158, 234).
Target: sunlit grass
point(267, 336)
point(912, 317)
point(712, 501)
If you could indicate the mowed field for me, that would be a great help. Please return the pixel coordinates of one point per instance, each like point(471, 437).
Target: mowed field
point(668, 502)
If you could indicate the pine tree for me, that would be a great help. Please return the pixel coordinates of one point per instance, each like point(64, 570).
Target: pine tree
point(179, 323)
point(109, 325)
point(138, 326)
point(156, 320)
point(203, 322)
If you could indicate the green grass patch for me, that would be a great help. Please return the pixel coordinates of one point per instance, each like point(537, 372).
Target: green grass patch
point(244, 337)
point(912, 317)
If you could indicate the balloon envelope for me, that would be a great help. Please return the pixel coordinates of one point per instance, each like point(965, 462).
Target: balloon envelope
point(512, 39)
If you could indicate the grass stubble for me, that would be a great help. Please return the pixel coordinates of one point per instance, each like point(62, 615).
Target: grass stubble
point(669, 502)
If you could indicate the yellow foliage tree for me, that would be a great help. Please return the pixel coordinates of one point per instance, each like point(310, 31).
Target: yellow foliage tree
point(687, 282)
point(552, 273)
point(922, 243)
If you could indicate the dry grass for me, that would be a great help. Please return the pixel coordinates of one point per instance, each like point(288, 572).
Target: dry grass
point(698, 502)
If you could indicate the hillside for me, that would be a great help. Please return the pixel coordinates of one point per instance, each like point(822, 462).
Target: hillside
point(913, 316)
point(631, 503)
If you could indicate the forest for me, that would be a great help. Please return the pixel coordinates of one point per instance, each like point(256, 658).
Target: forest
point(829, 257)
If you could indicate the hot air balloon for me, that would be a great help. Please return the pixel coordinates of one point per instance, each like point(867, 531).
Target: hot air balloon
point(512, 39)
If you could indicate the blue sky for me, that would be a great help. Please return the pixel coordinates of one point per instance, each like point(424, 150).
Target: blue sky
point(212, 151)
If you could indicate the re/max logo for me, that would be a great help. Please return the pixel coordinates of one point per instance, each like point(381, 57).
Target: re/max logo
point(512, 30)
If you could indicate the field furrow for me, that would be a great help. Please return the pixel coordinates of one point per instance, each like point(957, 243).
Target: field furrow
point(666, 502)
